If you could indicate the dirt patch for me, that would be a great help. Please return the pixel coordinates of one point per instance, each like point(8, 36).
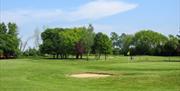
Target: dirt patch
point(90, 75)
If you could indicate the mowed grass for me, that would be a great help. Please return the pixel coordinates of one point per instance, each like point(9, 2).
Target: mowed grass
point(144, 73)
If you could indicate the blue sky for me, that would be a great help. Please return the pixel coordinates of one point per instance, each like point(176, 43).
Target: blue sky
point(121, 16)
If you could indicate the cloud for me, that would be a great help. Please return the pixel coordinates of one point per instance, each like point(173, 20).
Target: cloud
point(93, 10)
point(25, 16)
point(100, 9)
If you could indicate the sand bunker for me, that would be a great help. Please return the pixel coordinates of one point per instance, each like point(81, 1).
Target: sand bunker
point(90, 75)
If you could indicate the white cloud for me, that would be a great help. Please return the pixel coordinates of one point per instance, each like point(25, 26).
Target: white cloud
point(93, 10)
point(101, 8)
point(24, 16)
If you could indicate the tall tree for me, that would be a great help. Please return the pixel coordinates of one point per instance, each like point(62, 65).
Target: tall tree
point(115, 39)
point(102, 44)
point(116, 42)
point(50, 44)
point(171, 46)
point(146, 41)
point(62, 41)
point(88, 39)
point(9, 41)
point(13, 39)
point(127, 40)
point(3, 35)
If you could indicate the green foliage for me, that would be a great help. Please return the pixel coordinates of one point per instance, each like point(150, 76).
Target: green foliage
point(31, 52)
point(171, 46)
point(64, 41)
point(88, 39)
point(116, 43)
point(127, 40)
point(3, 28)
point(115, 39)
point(51, 41)
point(9, 41)
point(121, 43)
point(146, 41)
point(102, 44)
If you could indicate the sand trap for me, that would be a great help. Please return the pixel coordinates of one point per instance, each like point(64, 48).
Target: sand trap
point(90, 75)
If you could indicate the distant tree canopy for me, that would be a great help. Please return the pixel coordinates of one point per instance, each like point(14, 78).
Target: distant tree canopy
point(68, 41)
point(147, 42)
point(79, 41)
point(9, 41)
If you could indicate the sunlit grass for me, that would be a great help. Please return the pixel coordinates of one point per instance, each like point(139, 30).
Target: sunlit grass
point(144, 73)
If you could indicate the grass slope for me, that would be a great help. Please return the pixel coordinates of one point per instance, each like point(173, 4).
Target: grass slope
point(145, 73)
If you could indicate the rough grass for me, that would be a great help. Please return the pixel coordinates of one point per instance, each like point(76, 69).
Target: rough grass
point(144, 73)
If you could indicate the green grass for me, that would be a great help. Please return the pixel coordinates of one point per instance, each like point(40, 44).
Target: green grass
point(144, 73)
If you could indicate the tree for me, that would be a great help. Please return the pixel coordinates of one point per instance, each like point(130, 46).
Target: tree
point(50, 44)
point(70, 38)
point(68, 41)
point(127, 40)
point(79, 48)
point(3, 34)
point(62, 41)
point(131, 51)
point(9, 41)
point(114, 39)
point(178, 48)
point(3, 28)
point(88, 39)
point(116, 42)
point(31, 52)
point(146, 41)
point(13, 39)
point(171, 46)
point(102, 44)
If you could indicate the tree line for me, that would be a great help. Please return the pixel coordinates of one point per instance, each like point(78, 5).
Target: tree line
point(62, 42)
point(79, 41)
point(146, 42)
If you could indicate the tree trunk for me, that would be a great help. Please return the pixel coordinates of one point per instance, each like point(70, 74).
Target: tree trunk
point(61, 56)
point(99, 56)
point(87, 56)
point(77, 56)
point(81, 56)
point(131, 57)
point(65, 56)
point(53, 56)
point(57, 56)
